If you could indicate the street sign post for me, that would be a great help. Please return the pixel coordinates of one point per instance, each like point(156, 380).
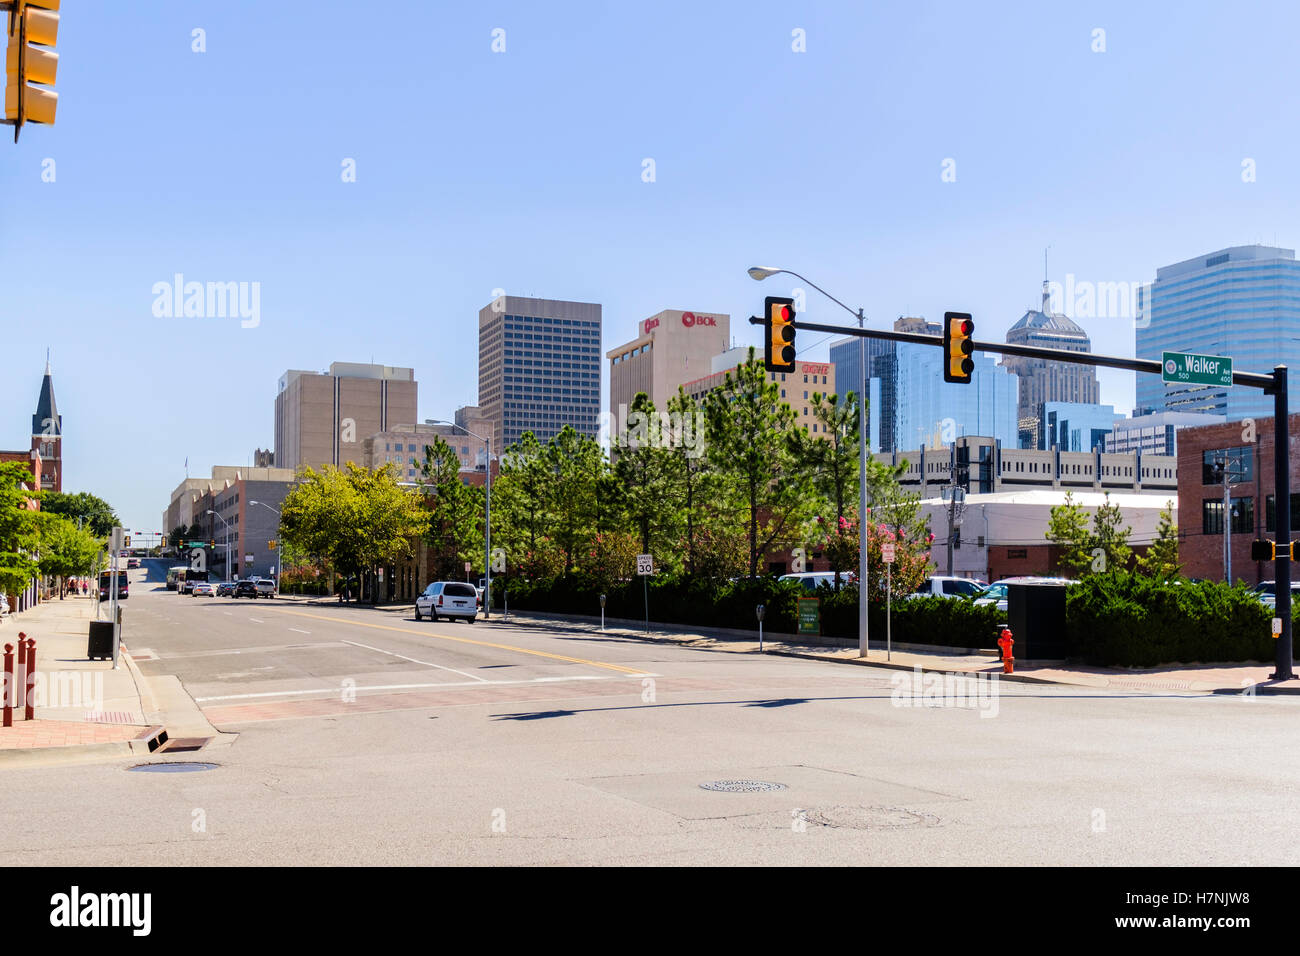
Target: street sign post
point(645, 566)
point(887, 555)
point(1187, 368)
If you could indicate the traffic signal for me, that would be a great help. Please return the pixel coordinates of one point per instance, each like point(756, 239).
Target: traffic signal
point(778, 316)
point(31, 22)
point(1267, 550)
point(270, 545)
point(126, 541)
point(957, 347)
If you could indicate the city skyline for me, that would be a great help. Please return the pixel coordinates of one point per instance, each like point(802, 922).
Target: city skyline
point(369, 240)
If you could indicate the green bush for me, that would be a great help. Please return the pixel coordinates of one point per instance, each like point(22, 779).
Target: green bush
point(678, 600)
point(1129, 620)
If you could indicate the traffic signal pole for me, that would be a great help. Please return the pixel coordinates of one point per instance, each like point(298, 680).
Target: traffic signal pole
point(1274, 383)
point(1282, 521)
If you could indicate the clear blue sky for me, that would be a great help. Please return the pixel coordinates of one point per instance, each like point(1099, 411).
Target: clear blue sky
point(522, 170)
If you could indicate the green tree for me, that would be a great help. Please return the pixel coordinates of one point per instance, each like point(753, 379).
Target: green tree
point(19, 527)
point(96, 515)
point(644, 467)
point(754, 448)
point(1084, 550)
point(689, 482)
point(66, 550)
point(455, 529)
point(1161, 559)
point(521, 499)
point(832, 454)
point(354, 519)
point(577, 467)
point(1108, 543)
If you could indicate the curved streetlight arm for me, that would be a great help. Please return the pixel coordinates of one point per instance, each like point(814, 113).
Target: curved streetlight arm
point(856, 314)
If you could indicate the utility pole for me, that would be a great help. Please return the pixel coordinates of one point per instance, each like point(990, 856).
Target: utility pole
point(956, 493)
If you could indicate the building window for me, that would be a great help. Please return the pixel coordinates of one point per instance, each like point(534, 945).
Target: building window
point(1243, 515)
point(1270, 513)
point(1238, 461)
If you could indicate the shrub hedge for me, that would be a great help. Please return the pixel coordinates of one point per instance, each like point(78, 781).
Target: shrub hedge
point(947, 623)
point(1117, 619)
point(1129, 620)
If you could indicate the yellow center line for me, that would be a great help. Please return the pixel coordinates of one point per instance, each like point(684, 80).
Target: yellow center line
point(466, 640)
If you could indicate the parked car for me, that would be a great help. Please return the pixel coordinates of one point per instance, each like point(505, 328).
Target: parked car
point(450, 599)
point(940, 585)
point(1266, 591)
point(996, 593)
point(811, 580)
point(132, 562)
point(226, 589)
point(203, 589)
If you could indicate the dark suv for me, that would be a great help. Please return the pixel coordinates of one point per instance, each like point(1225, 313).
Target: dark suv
point(246, 589)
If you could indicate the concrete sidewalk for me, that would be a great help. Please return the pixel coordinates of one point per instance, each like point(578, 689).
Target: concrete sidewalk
point(1209, 678)
point(84, 709)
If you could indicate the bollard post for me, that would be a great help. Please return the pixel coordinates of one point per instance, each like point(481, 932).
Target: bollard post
point(9, 686)
point(29, 690)
point(21, 676)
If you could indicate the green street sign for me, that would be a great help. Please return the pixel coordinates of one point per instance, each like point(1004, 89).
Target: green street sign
point(1185, 368)
point(810, 618)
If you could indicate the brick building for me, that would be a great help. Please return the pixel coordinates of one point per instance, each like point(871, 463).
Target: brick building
point(1245, 450)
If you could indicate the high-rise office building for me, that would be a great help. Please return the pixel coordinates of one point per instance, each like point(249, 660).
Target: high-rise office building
point(796, 387)
point(671, 349)
point(1157, 433)
point(1075, 426)
point(1045, 381)
point(322, 418)
point(910, 404)
point(930, 411)
point(538, 367)
point(1242, 302)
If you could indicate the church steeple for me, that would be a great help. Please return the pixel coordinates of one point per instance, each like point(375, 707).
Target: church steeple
point(47, 434)
point(47, 421)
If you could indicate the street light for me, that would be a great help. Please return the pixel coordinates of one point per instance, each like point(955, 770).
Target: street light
point(487, 515)
point(276, 577)
point(227, 524)
point(759, 273)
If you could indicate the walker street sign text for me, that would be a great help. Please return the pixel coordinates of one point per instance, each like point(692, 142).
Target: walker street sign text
point(1184, 368)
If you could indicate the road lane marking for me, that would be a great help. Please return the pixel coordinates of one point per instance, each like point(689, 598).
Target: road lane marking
point(414, 661)
point(257, 620)
point(300, 630)
point(459, 683)
point(466, 640)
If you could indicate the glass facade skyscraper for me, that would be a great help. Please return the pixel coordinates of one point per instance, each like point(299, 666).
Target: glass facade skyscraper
point(1242, 302)
point(912, 404)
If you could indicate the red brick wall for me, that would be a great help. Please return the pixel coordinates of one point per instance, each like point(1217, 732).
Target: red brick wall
point(1202, 554)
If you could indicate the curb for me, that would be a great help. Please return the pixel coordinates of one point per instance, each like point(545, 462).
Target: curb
point(146, 742)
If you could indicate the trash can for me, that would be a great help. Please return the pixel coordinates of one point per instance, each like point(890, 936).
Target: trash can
point(99, 645)
point(1036, 616)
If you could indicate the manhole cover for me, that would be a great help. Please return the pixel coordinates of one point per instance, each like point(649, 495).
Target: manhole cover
point(179, 766)
point(869, 818)
point(742, 786)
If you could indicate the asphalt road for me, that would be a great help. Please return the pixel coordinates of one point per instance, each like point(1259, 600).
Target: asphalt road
point(366, 737)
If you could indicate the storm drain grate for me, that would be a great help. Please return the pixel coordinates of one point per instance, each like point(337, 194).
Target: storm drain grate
point(742, 786)
point(180, 766)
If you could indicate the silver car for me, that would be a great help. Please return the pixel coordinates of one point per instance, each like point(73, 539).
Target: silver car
point(450, 599)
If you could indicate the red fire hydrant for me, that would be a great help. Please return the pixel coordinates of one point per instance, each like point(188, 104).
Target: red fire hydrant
point(1005, 642)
